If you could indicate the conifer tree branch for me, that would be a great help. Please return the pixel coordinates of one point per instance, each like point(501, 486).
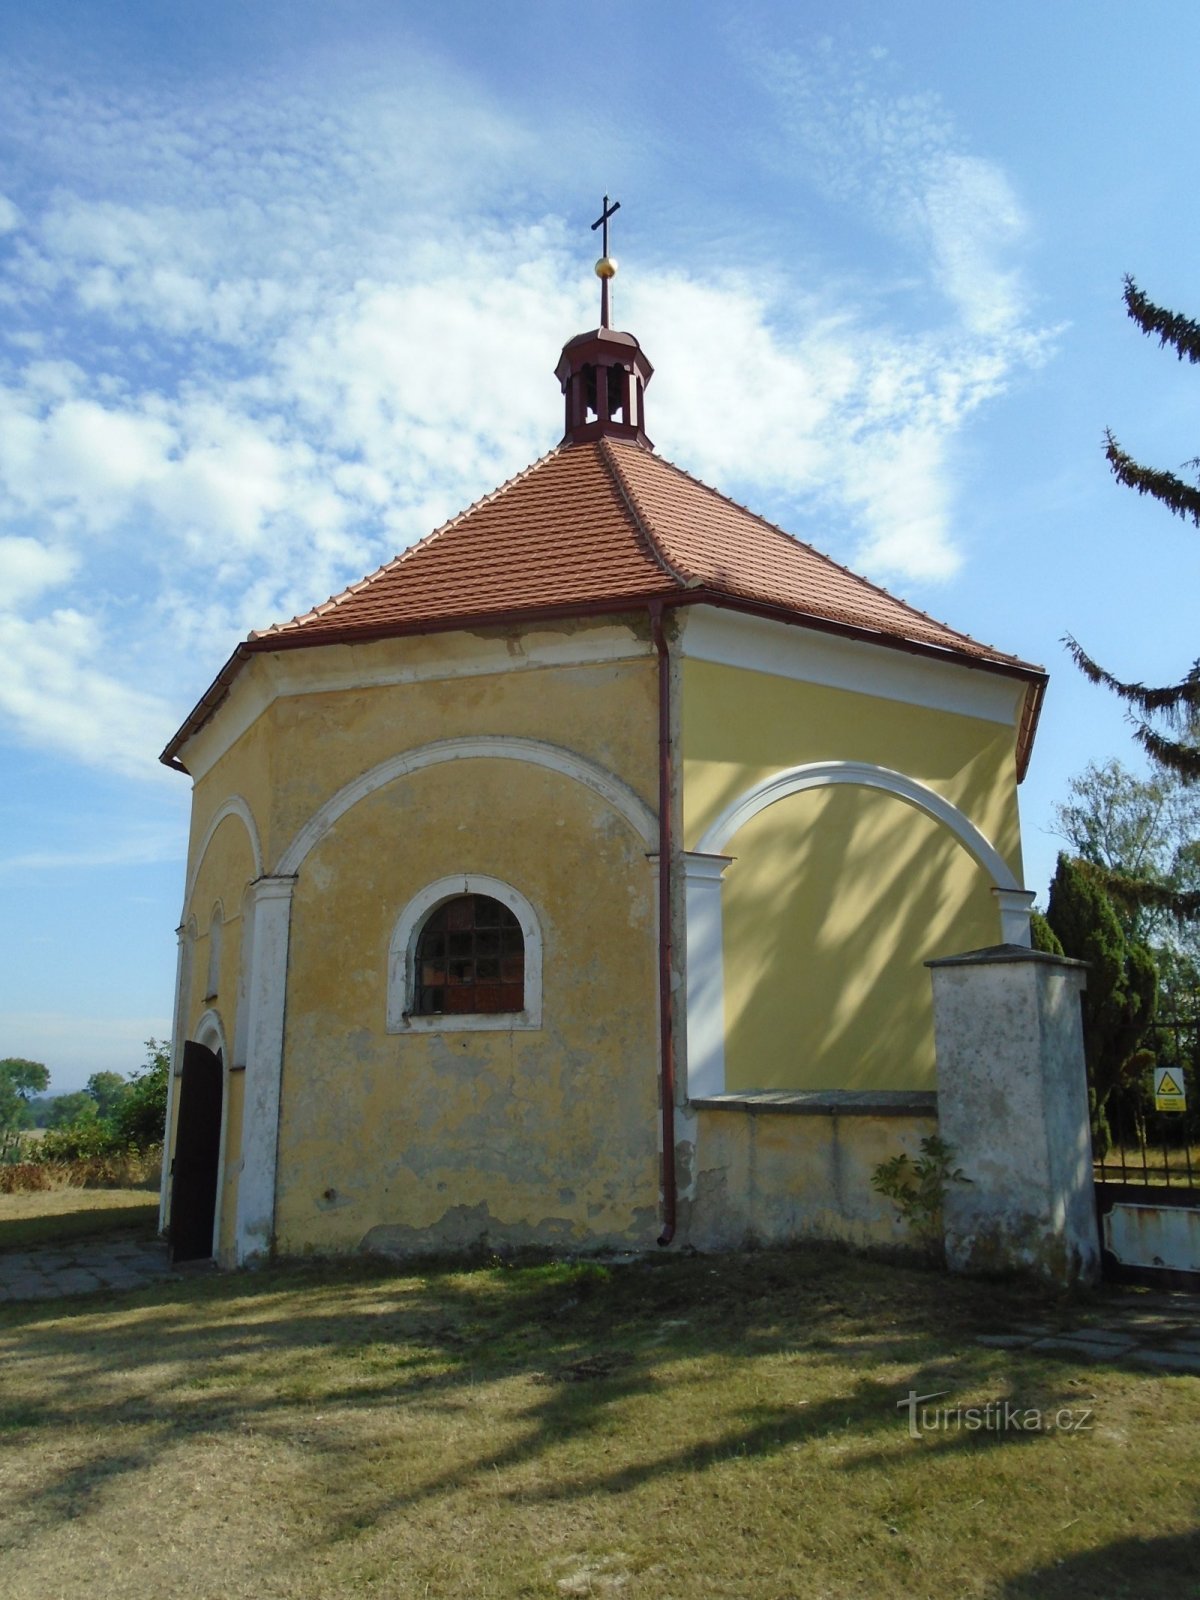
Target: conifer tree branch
point(1132, 893)
point(1180, 497)
point(1173, 754)
point(1180, 698)
point(1171, 328)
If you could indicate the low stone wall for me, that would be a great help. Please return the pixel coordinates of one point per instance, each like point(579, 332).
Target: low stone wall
point(775, 1167)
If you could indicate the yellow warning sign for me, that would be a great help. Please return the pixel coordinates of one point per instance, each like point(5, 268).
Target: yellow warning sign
point(1168, 1090)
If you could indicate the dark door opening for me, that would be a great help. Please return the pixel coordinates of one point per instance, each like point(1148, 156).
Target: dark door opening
point(197, 1155)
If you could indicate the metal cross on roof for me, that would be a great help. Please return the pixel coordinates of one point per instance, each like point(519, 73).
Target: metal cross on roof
point(606, 267)
point(602, 221)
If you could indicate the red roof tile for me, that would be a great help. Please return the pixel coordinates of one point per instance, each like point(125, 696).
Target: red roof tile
point(599, 525)
point(610, 521)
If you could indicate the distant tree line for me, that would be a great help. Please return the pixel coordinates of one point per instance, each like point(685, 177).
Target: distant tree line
point(113, 1113)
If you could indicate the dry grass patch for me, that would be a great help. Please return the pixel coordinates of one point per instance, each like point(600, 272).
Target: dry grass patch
point(60, 1216)
point(680, 1427)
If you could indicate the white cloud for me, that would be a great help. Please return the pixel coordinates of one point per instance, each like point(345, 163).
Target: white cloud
point(973, 217)
point(57, 695)
point(897, 157)
point(145, 847)
point(28, 568)
point(268, 353)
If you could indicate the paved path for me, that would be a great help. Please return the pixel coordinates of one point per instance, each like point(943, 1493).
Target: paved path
point(81, 1268)
point(1158, 1330)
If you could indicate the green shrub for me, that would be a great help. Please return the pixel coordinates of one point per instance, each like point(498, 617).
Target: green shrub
point(140, 1120)
point(77, 1141)
point(918, 1189)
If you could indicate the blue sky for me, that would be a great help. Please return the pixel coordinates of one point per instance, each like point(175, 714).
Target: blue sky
point(282, 287)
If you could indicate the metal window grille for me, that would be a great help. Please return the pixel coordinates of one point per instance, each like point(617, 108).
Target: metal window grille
point(470, 958)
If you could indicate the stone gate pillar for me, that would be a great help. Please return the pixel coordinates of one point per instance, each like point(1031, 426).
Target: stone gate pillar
point(1012, 1104)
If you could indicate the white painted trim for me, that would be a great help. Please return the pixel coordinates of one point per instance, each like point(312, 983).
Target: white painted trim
point(487, 747)
point(267, 997)
point(184, 935)
point(1015, 908)
point(210, 1032)
point(820, 774)
point(705, 973)
point(807, 655)
point(235, 806)
point(272, 676)
point(190, 932)
point(402, 966)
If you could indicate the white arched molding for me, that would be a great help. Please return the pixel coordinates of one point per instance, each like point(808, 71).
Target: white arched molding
point(402, 950)
point(820, 774)
point(552, 757)
point(235, 806)
point(705, 866)
point(210, 1032)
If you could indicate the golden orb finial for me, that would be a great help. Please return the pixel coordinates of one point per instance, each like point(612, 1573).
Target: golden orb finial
point(606, 267)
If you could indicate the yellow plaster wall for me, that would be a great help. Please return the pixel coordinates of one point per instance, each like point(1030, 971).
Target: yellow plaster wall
point(227, 868)
point(740, 726)
point(770, 1178)
point(598, 711)
point(578, 1097)
point(307, 745)
point(837, 896)
point(409, 1142)
point(245, 770)
point(834, 901)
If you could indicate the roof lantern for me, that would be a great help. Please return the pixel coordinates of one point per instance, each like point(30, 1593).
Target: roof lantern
point(604, 373)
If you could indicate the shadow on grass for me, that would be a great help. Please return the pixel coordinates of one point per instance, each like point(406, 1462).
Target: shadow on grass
point(226, 1355)
point(64, 1228)
point(1128, 1569)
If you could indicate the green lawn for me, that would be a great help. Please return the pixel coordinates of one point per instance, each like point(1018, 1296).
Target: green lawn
point(683, 1427)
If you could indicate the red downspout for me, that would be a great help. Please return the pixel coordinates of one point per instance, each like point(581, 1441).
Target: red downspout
point(666, 1045)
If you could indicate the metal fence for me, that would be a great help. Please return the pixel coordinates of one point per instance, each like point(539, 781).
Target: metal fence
point(1158, 1149)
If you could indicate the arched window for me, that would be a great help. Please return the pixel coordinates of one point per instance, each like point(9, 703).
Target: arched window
point(466, 952)
point(470, 958)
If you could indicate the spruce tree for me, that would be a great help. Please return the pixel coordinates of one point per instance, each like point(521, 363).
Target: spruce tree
point(1122, 986)
point(1166, 719)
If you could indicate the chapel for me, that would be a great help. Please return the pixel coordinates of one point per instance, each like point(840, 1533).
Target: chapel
point(569, 881)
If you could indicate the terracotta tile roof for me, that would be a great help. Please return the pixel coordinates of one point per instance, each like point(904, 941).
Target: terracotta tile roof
point(610, 521)
point(557, 534)
point(606, 525)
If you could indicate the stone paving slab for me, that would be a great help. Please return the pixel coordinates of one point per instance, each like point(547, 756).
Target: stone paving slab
point(1172, 1360)
point(85, 1267)
point(1112, 1336)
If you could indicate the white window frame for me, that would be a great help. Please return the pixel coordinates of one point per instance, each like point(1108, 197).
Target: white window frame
point(402, 961)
